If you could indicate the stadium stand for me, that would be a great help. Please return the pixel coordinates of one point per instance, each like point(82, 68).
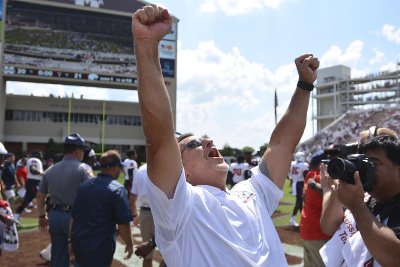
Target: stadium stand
point(346, 129)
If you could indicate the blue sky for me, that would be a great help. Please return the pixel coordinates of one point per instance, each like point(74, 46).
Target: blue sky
point(233, 53)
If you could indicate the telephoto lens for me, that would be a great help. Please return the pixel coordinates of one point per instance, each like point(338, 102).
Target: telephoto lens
point(342, 169)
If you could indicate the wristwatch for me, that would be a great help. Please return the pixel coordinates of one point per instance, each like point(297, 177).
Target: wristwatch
point(151, 243)
point(312, 185)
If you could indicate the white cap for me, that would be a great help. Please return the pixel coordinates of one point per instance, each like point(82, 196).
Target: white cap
point(3, 150)
point(91, 153)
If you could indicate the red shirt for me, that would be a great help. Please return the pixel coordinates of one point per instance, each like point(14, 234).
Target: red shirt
point(310, 228)
point(22, 172)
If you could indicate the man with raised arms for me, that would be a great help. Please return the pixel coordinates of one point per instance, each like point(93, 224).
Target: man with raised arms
point(198, 221)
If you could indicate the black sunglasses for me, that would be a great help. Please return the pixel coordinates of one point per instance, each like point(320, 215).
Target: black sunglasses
point(192, 144)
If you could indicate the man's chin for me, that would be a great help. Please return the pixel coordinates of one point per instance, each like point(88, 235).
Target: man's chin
point(221, 167)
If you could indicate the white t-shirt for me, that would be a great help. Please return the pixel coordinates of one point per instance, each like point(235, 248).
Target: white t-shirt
point(139, 186)
point(204, 226)
point(129, 164)
point(297, 169)
point(39, 167)
point(238, 170)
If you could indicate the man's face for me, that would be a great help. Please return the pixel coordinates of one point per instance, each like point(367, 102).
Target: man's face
point(11, 158)
point(202, 163)
point(387, 176)
point(80, 153)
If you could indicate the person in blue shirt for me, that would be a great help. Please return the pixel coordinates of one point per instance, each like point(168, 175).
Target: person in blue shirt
point(9, 179)
point(101, 203)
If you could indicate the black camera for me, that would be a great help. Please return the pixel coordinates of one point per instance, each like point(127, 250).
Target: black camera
point(343, 169)
point(342, 150)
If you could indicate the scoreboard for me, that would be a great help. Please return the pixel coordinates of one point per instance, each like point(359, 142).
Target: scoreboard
point(77, 42)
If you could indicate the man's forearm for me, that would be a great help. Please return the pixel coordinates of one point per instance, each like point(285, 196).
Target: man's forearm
point(40, 201)
point(133, 203)
point(380, 240)
point(332, 212)
point(153, 96)
point(286, 137)
point(125, 233)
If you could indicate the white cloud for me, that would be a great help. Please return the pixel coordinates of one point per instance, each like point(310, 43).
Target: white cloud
point(390, 32)
point(379, 55)
point(229, 98)
point(236, 7)
point(391, 66)
point(208, 7)
point(335, 56)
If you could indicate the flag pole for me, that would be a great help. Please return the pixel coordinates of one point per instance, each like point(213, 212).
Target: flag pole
point(276, 105)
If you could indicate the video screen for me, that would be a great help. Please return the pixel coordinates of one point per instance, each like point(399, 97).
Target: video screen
point(54, 38)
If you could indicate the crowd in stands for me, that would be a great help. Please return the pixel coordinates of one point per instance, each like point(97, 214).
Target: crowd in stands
point(347, 128)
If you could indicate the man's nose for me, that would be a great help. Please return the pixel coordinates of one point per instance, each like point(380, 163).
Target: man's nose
point(207, 143)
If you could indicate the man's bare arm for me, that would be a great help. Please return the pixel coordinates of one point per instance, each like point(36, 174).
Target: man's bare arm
point(41, 204)
point(289, 130)
point(149, 26)
point(126, 235)
point(332, 210)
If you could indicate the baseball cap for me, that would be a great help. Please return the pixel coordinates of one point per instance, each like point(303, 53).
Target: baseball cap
point(74, 139)
point(117, 162)
point(9, 154)
point(318, 157)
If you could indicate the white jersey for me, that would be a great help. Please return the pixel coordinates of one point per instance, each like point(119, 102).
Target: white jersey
point(129, 165)
point(232, 228)
point(139, 186)
point(297, 169)
point(39, 167)
point(238, 170)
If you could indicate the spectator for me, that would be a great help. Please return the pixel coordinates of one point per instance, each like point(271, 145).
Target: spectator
point(197, 220)
point(310, 230)
point(369, 230)
point(145, 220)
point(61, 182)
point(9, 179)
point(100, 204)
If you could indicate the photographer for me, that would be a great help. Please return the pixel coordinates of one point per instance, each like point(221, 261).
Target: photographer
point(368, 231)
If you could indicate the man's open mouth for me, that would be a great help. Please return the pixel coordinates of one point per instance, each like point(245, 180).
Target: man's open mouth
point(213, 153)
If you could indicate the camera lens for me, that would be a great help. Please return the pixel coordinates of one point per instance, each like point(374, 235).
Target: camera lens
point(336, 168)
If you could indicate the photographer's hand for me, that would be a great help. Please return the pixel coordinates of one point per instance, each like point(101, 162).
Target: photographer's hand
point(352, 196)
point(332, 210)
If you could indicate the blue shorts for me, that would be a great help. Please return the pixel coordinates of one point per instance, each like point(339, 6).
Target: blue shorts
point(299, 190)
point(31, 187)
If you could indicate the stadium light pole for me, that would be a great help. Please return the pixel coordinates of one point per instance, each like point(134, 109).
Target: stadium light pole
point(104, 127)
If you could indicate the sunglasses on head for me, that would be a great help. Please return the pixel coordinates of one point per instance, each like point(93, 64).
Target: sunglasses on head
point(192, 144)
